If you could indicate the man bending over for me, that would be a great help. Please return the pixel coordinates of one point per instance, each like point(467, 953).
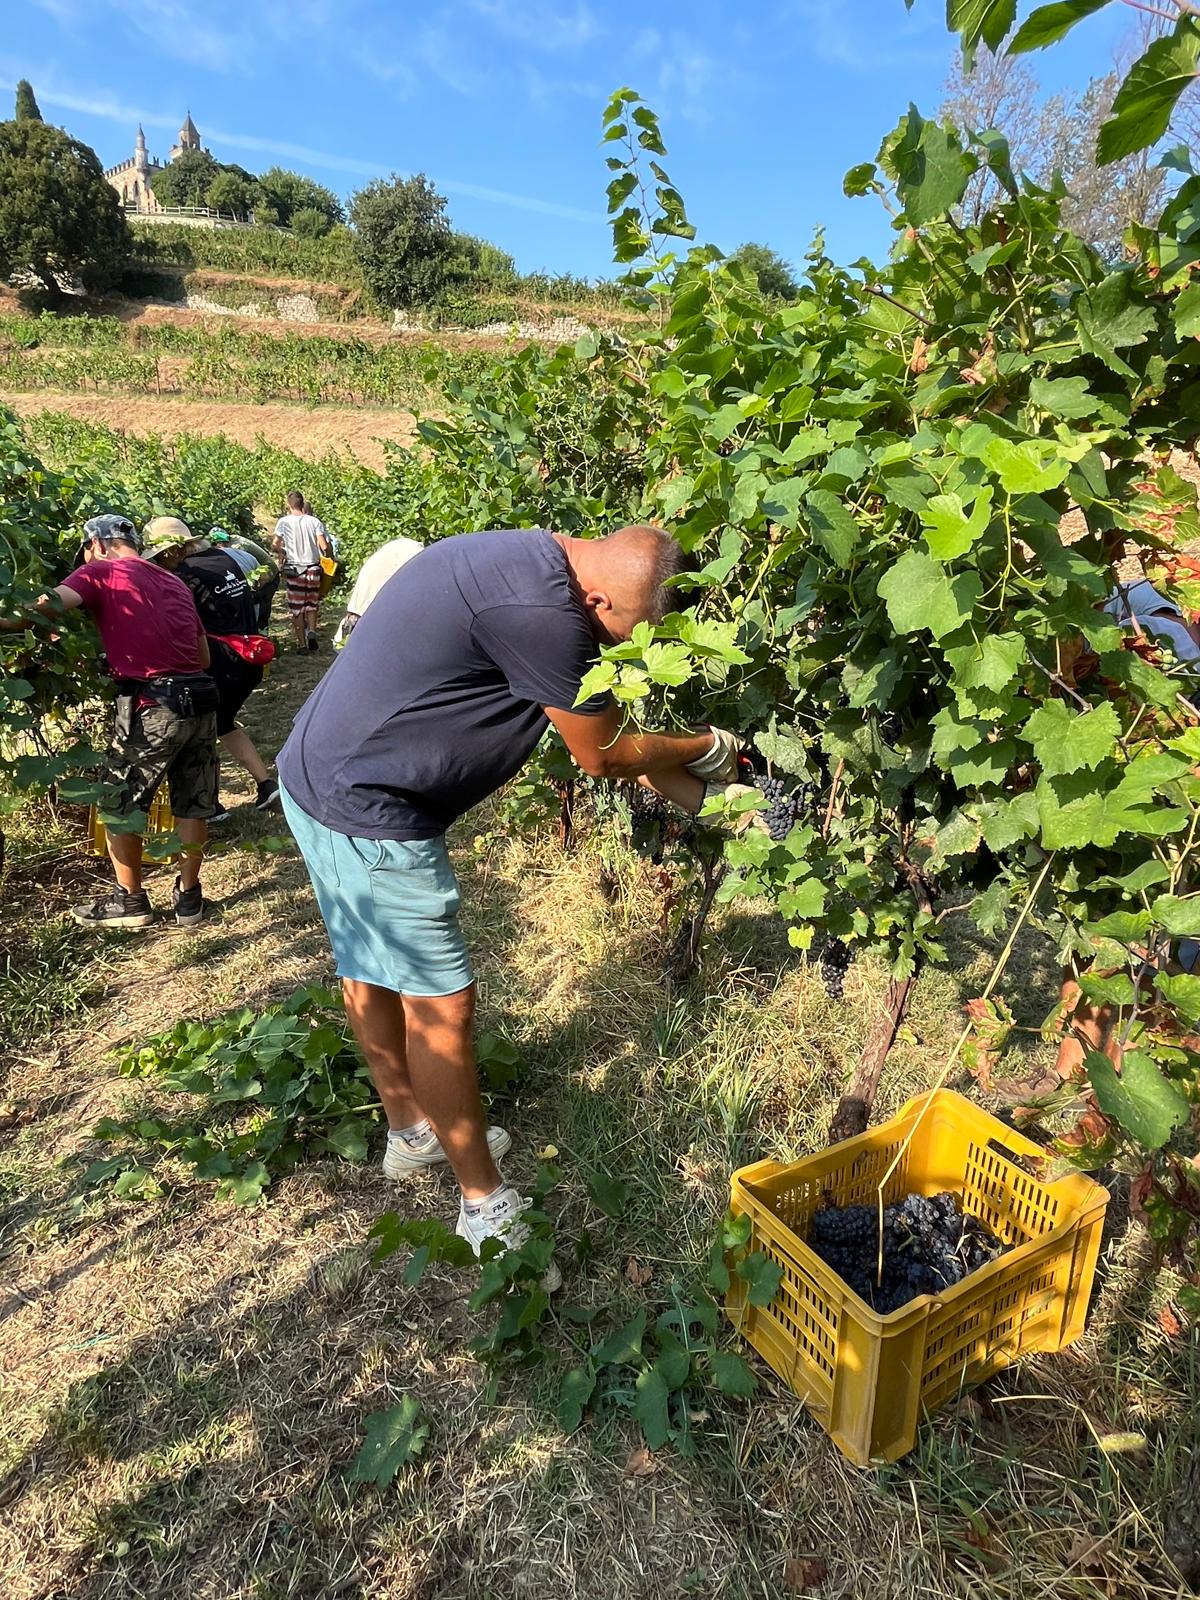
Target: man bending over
point(438, 698)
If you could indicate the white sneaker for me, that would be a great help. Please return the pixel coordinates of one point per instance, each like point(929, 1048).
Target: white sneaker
point(501, 1219)
point(404, 1156)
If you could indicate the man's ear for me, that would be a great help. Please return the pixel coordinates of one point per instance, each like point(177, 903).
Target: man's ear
point(597, 600)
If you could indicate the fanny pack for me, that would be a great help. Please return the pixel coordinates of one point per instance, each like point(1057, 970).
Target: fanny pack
point(187, 695)
point(255, 648)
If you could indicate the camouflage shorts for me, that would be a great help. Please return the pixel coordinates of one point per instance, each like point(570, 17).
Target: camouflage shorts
point(154, 743)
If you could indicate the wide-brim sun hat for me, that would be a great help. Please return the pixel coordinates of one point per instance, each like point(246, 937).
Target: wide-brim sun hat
point(164, 533)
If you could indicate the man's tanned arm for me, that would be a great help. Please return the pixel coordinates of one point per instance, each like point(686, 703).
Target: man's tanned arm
point(603, 750)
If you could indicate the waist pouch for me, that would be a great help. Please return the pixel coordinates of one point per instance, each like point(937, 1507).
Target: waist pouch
point(255, 648)
point(188, 695)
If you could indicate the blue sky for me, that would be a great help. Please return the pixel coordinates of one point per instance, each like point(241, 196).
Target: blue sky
point(764, 103)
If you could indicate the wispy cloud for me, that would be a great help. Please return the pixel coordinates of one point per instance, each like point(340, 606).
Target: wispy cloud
point(834, 33)
point(101, 103)
point(541, 24)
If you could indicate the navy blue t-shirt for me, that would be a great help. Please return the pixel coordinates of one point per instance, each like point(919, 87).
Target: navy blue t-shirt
point(436, 699)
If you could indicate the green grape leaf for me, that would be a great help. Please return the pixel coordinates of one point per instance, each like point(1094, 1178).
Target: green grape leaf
point(1186, 311)
point(1030, 467)
point(990, 663)
point(1065, 741)
point(949, 530)
point(732, 1376)
point(624, 1347)
point(1142, 109)
point(974, 20)
point(763, 1277)
point(650, 1408)
point(348, 1139)
point(574, 1393)
point(1111, 318)
point(958, 835)
point(1049, 23)
point(246, 1187)
point(1181, 990)
point(931, 169)
point(1066, 398)
point(832, 525)
point(1177, 914)
point(920, 595)
point(1145, 1103)
point(394, 1438)
point(611, 1195)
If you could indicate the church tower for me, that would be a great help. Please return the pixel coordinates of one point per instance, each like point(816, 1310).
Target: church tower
point(189, 138)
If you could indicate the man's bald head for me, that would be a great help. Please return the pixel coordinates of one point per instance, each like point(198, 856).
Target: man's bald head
point(622, 579)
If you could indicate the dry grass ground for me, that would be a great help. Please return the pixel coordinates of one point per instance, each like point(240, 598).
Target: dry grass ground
point(309, 431)
point(183, 1382)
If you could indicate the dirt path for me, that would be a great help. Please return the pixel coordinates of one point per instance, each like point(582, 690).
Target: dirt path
point(309, 432)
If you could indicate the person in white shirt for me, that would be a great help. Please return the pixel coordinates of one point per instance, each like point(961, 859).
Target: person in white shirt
point(374, 573)
point(301, 539)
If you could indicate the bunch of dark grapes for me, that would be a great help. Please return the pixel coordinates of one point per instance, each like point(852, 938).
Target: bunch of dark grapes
point(836, 960)
point(654, 824)
point(785, 807)
point(928, 1246)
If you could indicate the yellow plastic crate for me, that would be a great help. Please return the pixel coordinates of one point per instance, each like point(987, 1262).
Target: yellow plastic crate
point(870, 1379)
point(159, 819)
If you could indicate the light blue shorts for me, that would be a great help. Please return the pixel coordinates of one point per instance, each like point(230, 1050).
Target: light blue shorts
point(390, 906)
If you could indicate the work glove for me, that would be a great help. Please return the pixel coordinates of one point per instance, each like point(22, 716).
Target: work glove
point(739, 821)
point(719, 764)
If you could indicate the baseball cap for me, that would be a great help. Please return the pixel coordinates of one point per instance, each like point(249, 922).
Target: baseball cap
point(218, 536)
point(110, 526)
point(164, 533)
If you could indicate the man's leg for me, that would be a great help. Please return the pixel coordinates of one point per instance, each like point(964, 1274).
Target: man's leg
point(420, 1051)
point(125, 852)
point(240, 746)
point(192, 831)
point(440, 1036)
point(377, 1018)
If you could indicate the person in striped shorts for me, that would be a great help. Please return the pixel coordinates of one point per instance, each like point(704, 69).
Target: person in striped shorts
point(301, 539)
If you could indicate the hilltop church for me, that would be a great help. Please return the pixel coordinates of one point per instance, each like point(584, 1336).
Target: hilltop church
point(132, 179)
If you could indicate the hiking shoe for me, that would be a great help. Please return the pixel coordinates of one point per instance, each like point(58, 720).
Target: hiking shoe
point(501, 1219)
point(116, 910)
point(311, 640)
point(268, 793)
point(220, 815)
point(189, 904)
point(402, 1156)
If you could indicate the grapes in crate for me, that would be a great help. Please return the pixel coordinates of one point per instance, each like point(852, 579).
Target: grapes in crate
point(929, 1245)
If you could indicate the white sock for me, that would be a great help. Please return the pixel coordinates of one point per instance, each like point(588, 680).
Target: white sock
point(474, 1207)
point(413, 1135)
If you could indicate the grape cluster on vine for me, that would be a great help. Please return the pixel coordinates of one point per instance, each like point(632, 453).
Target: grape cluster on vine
point(835, 961)
point(785, 807)
point(929, 1245)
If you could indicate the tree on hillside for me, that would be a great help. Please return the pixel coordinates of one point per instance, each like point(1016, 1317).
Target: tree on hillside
point(1056, 136)
point(27, 106)
point(186, 181)
point(287, 193)
point(59, 218)
point(776, 277)
point(229, 191)
point(402, 238)
point(309, 223)
point(475, 260)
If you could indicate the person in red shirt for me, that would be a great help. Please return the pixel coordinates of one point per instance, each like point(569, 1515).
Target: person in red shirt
point(165, 724)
